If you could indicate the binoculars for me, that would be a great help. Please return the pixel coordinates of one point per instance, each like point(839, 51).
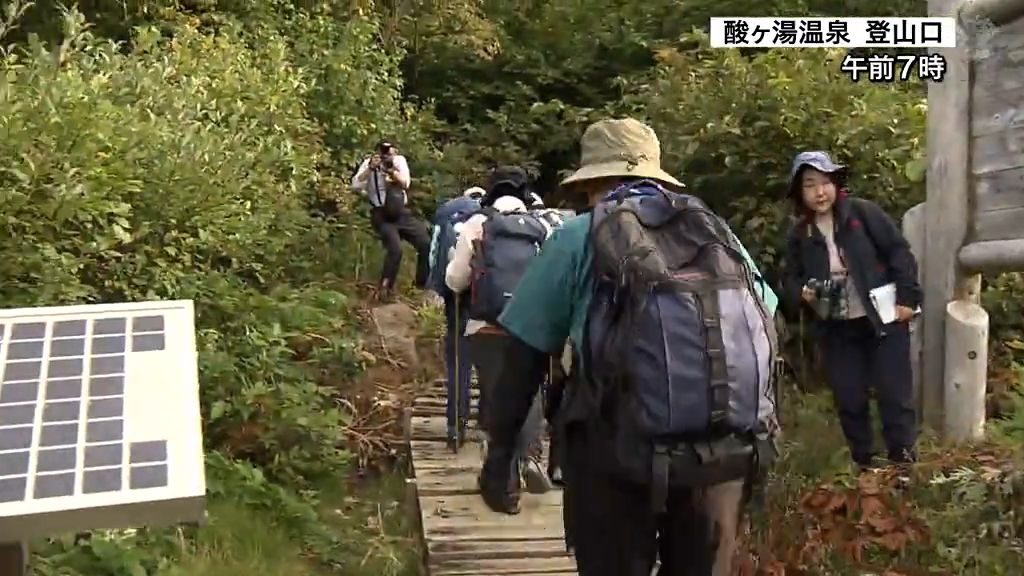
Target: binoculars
point(831, 301)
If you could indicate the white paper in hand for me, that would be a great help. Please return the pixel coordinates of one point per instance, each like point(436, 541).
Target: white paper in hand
point(883, 299)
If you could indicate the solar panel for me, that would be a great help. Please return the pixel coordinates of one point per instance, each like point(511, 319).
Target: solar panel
point(100, 424)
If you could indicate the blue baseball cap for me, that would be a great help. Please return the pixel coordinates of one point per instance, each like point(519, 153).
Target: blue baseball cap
point(817, 159)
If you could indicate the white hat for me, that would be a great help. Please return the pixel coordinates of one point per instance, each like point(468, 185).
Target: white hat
point(474, 192)
point(507, 204)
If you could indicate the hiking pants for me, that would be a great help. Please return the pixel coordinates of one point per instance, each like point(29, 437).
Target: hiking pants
point(391, 232)
point(856, 359)
point(455, 336)
point(614, 531)
point(488, 350)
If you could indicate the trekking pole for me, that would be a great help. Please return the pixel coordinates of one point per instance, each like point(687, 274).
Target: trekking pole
point(458, 375)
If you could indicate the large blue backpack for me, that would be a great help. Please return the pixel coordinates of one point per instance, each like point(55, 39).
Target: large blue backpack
point(679, 350)
point(510, 241)
point(443, 237)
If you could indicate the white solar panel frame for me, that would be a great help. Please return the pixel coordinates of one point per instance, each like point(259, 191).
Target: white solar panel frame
point(161, 402)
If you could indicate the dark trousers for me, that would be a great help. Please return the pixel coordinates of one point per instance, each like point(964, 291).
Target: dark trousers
point(856, 359)
point(456, 357)
point(391, 232)
point(488, 351)
point(614, 532)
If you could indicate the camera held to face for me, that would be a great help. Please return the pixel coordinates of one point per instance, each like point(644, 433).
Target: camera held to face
point(830, 298)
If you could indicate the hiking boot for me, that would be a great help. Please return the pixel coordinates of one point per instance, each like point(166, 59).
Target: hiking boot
point(483, 449)
point(534, 477)
point(385, 293)
point(499, 489)
point(865, 463)
point(555, 474)
point(903, 456)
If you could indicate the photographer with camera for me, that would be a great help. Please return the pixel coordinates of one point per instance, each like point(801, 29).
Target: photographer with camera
point(842, 254)
point(384, 179)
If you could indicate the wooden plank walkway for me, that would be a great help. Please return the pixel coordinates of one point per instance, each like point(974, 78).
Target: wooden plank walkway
point(461, 536)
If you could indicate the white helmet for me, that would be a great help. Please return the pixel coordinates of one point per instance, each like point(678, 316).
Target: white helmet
point(475, 192)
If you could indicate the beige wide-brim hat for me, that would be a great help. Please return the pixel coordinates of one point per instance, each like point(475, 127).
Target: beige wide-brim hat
point(620, 148)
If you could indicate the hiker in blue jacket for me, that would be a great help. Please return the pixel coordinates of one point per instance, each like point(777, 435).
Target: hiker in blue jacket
point(632, 495)
point(447, 221)
point(839, 251)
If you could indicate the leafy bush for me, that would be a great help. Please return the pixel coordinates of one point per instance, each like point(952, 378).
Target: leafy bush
point(182, 165)
point(735, 151)
point(176, 171)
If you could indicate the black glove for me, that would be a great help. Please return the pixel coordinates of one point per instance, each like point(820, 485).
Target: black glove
point(499, 480)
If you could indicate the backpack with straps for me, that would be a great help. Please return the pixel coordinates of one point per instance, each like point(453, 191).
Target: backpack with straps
point(509, 243)
point(447, 219)
point(679, 348)
point(553, 218)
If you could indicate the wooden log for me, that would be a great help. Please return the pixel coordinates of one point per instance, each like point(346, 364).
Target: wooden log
point(966, 370)
point(914, 232)
point(993, 256)
point(947, 208)
point(416, 520)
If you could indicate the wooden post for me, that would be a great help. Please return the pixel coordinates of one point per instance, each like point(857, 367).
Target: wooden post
point(993, 256)
point(966, 370)
point(914, 232)
point(946, 209)
point(14, 559)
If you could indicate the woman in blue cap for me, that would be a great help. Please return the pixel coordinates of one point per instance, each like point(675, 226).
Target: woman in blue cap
point(847, 260)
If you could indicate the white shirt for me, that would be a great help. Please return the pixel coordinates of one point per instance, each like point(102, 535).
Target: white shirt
point(459, 271)
point(361, 181)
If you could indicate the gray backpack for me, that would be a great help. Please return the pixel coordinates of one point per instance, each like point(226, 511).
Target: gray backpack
point(679, 351)
point(500, 258)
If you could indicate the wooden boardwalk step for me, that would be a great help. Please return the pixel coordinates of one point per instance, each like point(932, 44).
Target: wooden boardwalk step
point(461, 535)
point(505, 566)
point(436, 406)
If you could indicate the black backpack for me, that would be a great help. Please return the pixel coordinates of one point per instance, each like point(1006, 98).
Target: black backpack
point(509, 243)
point(679, 349)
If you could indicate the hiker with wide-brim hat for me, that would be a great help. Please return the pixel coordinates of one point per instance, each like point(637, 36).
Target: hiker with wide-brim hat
point(611, 524)
point(839, 252)
point(617, 150)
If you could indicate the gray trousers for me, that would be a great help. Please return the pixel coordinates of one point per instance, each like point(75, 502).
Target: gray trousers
point(487, 353)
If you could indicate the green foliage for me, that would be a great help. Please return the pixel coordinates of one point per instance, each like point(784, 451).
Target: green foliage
point(184, 161)
point(968, 499)
point(175, 171)
point(735, 152)
point(181, 165)
point(1010, 429)
point(290, 524)
point(1003, 299)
